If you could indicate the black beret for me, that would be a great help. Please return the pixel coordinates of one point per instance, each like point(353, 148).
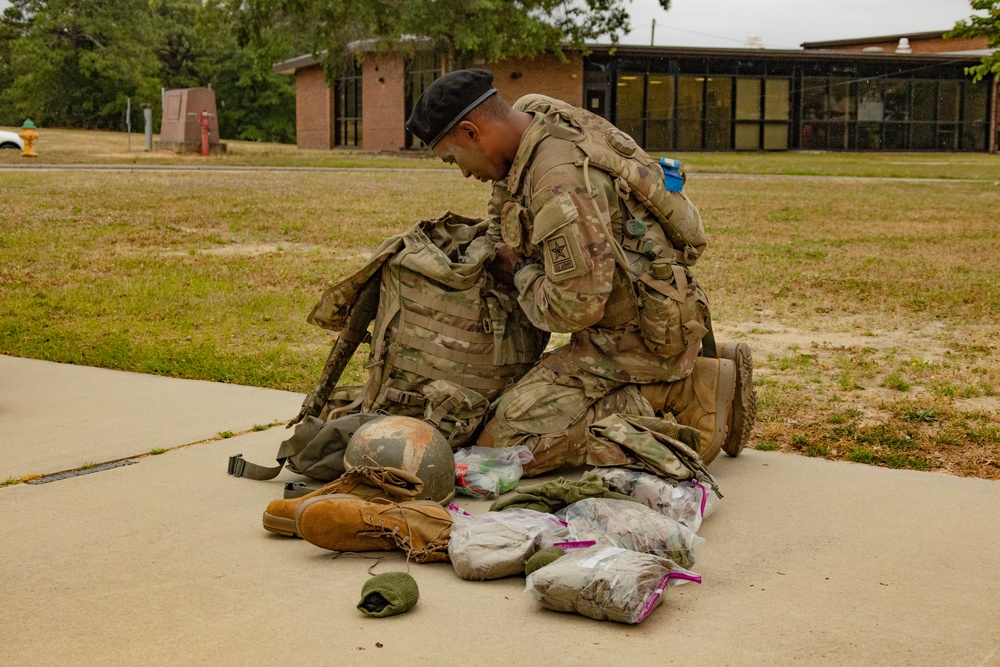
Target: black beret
point(447, 101)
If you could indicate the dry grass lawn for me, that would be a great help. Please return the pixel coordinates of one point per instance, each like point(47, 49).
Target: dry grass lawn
point(872, 305)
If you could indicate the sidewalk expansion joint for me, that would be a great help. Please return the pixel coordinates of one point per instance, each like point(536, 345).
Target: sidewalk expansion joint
point(77, 473)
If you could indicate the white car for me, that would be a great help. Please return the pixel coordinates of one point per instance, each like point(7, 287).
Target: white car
point(10, 140)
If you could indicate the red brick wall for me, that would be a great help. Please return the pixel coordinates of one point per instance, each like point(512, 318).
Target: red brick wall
point(313, 109)
point(383, 103)
point(543, 74)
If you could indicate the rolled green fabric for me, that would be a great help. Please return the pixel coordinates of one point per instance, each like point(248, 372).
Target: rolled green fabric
point(388, 594)
point(542, 558)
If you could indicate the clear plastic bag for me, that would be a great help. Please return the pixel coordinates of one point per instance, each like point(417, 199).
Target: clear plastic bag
point(686, 502)
point(497, 544)
point(486, 472)
point(606, 583)
point(630, 525)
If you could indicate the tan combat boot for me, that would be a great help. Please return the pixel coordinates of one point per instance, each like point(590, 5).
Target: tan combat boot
point(744, 411)
point(368, 482)
point(342, 522)
point(702, 401)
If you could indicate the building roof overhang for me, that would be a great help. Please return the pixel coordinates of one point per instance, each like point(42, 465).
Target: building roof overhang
point(624, 50)
point(859, 41)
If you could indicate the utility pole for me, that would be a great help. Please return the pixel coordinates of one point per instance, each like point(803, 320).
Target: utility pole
point(652, 34)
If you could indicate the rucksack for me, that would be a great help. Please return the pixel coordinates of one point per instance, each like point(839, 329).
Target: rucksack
point(445, 340)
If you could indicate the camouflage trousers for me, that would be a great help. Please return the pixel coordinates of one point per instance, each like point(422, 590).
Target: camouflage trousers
point(549, 412)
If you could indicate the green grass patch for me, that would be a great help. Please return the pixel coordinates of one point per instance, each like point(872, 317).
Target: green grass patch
point(226, 434)
point(897, 382)
point(768, 446)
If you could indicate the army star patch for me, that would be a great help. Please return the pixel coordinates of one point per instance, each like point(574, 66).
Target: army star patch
point(560, 256)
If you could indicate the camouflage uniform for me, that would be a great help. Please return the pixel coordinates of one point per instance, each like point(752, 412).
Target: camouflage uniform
point(557, 215)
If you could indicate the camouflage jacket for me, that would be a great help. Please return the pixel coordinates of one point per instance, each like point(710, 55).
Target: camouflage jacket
point(557, 215)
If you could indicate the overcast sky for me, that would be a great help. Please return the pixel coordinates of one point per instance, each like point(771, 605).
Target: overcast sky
point(786, 23)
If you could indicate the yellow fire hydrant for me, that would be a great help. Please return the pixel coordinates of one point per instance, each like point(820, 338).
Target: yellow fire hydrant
point(29, 136)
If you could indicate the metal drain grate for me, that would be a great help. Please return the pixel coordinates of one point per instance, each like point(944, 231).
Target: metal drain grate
point(77, 473)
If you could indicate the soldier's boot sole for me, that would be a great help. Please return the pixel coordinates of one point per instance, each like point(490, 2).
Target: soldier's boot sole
point(744, 409)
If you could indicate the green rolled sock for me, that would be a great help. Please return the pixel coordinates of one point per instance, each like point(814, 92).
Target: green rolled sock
point(542, 558)
point(388, 594)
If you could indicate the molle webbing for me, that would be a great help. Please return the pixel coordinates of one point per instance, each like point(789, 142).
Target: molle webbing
point(440, 319)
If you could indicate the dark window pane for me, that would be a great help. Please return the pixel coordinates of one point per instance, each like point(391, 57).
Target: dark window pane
point(717, 135)
point(922, 136)
point(895, 136)
point(976, 95)
point(813, 136)
point(659, 135)
point(948, 101)
point(689, 135)
point(924, 94)
point(897, 100)
point(843, 105)
point(840, 139)
point(814, 98)
point(869, 136)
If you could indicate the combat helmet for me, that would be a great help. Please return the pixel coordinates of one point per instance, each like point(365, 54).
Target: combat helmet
point(409, 444)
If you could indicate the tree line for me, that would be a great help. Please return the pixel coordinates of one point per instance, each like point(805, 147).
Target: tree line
point(74, 64)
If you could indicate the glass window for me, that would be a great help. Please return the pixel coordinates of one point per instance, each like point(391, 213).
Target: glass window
point(813, 136)
point(421, 71)
point(949, 93)
point(814, 98)
point(718, 112)
point(924, 94)
point(347, 110)
point(843, 105)
point(689, 112)
point(747, 136)
point(659, 112)
point(896, 100)
point(775, 136)
point(974, 115)
point(630, 96)
point(748, 99)
point(869, 136)
point(871, 106)
point(776, 99)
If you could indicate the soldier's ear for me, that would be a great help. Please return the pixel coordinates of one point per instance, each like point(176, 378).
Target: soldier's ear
point(468, 130)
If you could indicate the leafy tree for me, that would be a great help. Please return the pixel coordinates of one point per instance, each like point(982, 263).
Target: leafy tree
point(978, 25)
point(464, 30)
point(74, 62)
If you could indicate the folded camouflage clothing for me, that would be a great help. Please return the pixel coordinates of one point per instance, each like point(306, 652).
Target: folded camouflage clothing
point(555, 495)
point(497, 544)
point(606, 583)
point(686, 502)
point(631, 525)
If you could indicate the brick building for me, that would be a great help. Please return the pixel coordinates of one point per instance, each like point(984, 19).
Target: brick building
point(895, 92)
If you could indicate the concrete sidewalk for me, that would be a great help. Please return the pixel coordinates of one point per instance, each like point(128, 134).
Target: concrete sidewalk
point(165, 562)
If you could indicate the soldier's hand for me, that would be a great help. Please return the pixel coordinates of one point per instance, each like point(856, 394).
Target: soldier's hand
point(502, 266)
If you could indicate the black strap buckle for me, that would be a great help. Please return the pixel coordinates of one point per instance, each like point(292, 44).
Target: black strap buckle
point(236, 465)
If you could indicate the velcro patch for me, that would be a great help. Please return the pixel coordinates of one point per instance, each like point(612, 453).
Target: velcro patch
point(563, 256)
